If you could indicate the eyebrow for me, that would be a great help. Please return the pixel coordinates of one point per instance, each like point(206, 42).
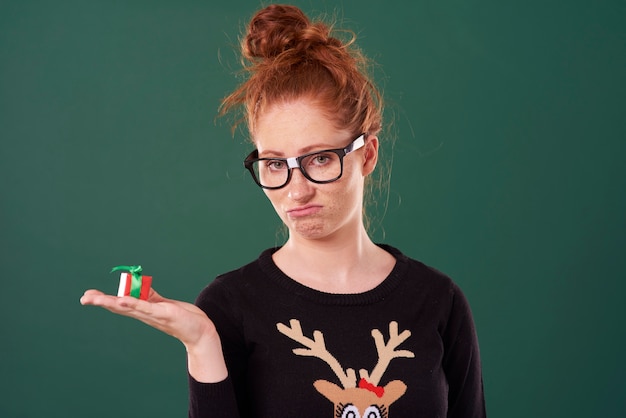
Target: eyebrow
point(302, 151)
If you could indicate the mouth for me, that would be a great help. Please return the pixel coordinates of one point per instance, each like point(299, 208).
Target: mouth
point(302, 211)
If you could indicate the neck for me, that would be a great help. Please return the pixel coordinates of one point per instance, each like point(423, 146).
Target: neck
point(350, 248)
point(338, 264)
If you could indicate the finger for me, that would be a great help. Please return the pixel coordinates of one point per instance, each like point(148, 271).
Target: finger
point(153, 296)
point(129, 303)
point(156, 315)
point(89, 296)
point(126, 305)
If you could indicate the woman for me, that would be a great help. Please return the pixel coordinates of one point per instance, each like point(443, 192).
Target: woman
point(329, 323)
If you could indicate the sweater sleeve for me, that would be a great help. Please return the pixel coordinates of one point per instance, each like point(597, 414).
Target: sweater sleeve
point(211, 400)
point(461, 361)
point(223, 399)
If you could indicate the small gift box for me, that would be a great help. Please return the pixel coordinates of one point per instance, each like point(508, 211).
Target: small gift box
point(133, 283)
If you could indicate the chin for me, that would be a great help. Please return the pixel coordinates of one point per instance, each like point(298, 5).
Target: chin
point(309, 230)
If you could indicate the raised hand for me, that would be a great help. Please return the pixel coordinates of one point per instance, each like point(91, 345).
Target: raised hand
point(184, 321)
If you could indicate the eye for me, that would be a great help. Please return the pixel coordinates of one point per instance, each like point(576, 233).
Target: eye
point(350, 411)
point(275, 164)
point(322, 159)
point(372, 412)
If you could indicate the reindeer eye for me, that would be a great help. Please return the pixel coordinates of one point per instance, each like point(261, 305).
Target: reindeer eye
point(350, 411)
point(372, 412)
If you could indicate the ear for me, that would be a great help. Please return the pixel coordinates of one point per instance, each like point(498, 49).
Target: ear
point(393, 391)
point(370, 154)
point(331, 391)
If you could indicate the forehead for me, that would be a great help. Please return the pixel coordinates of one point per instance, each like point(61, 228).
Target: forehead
point(292, 126)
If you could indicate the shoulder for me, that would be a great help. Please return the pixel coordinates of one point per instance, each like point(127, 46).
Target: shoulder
point(226, 286)
point(424, 282)
point(417, 273)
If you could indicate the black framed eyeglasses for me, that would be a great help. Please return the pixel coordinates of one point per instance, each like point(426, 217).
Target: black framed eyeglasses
point(319, 167)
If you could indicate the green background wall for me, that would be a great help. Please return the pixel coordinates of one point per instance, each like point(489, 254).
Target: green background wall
point(509, 175)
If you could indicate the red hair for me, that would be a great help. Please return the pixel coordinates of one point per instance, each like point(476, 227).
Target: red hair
point(287, 57)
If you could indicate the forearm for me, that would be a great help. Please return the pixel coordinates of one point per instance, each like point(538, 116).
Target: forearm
point(205, 360)
point(210, 391)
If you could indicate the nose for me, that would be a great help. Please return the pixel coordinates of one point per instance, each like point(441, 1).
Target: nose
point(300, 188)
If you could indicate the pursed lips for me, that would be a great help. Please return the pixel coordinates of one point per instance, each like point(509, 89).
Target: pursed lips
point(305, 210)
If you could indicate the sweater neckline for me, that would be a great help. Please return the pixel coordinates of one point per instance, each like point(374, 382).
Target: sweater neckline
point(371, 296)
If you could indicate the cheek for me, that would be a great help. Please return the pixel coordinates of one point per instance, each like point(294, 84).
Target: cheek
point(345, 194)
point(352, 180)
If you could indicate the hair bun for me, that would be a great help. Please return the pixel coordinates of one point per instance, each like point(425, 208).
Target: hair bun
point(279, 28)
point(286, 56)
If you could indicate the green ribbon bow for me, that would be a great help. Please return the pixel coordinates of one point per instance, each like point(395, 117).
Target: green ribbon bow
point(135, 282)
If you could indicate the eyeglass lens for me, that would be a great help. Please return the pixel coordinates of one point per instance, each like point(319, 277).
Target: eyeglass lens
point(322, 167)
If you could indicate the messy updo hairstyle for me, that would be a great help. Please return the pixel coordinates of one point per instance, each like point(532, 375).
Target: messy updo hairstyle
point(285, 57)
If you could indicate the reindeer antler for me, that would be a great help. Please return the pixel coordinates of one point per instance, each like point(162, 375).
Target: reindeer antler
point(386, 352)
point(316, 347)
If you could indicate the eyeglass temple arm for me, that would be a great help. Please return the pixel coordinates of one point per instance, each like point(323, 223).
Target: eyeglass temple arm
point(355, 145)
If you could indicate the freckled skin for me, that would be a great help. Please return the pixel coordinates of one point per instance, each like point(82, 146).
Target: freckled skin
point(298, 127)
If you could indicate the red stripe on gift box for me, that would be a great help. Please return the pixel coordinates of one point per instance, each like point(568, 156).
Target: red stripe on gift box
point(146, 283)
point(129, 281)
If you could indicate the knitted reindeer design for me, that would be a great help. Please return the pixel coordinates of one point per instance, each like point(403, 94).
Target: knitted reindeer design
point(365, 400)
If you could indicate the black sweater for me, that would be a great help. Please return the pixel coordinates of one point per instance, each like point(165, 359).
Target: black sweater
point(406, 348)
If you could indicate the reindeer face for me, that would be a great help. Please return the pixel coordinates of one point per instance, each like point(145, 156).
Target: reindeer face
point(365, 400)
point(361, 402)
